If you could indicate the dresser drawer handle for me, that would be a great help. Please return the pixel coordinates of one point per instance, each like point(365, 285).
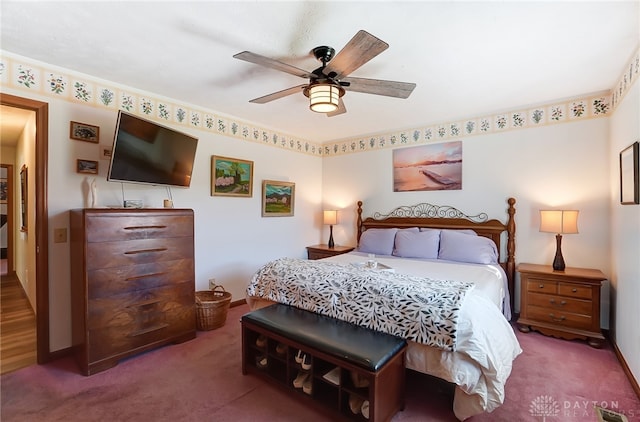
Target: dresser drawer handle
point(541, 286)
point(554, 318)
point(562, 302)
point(148, 330)
point(144, 227)
point(142, 303)
point(145, 251)
point(138, 277)
point(574, 290)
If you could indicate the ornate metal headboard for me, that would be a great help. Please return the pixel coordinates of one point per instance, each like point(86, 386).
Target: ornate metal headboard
point(446, 217)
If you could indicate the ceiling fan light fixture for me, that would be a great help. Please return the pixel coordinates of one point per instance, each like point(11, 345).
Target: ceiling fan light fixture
point(324, 98)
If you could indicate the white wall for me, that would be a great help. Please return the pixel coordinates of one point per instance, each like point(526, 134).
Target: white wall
point(232, 239)
point(547, 167)
point(625, 236)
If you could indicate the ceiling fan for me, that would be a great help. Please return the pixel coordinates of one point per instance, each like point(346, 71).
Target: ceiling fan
point(328, 83)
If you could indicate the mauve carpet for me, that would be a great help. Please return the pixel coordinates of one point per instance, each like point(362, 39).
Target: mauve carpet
point(201, 380)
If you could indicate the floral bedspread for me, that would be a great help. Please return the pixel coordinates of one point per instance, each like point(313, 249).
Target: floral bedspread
point(416, 308)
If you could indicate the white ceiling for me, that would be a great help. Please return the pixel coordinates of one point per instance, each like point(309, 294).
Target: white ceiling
point(467, 58)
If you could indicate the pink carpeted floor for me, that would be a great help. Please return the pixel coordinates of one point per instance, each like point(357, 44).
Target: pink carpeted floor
point(201, 380)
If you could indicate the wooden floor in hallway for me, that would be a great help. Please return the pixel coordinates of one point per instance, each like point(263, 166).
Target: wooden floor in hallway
point(17, 327)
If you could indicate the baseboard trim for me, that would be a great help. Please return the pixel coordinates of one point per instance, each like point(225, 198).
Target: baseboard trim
point(626, 369)
point(238, 303)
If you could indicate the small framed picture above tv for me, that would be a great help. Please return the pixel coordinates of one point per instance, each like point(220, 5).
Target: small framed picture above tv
point(231, 177)
point(146, 152)
point(84, 132)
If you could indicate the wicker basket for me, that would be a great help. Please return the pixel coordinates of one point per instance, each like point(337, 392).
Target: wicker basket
point(211, 308)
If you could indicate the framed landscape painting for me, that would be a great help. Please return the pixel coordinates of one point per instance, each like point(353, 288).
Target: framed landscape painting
point(278, 198)
point(231, 177)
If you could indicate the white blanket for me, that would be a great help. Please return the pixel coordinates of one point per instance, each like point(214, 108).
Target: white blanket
point(486, 344)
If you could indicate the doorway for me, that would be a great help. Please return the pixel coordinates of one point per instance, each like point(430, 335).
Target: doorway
point(40, 231)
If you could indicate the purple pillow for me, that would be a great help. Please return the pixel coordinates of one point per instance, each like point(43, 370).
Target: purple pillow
point(462, 247)
point(377, 241)
point(420, 244)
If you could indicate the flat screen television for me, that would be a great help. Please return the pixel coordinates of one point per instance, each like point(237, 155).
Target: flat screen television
point(146, 152)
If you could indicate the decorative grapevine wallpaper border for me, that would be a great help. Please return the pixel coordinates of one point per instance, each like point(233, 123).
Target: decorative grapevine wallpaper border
point(26, 74)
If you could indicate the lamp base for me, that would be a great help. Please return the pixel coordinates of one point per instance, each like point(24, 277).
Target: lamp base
point(558, 261)
point(331, 244)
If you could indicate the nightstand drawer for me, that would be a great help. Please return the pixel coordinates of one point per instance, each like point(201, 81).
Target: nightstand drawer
point(542, 286)
point(559, 317)
point(560, 303)
point(574, 290)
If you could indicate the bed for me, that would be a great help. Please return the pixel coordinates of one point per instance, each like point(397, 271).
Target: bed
point(443, 280)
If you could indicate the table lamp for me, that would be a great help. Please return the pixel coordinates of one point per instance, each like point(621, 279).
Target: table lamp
point(330, 218)
point(559, 222)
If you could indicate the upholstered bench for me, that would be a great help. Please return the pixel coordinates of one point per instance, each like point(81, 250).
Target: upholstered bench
point(355, 372)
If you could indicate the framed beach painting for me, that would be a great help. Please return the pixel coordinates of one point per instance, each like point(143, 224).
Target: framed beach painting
point(278, 198)
point(428, 167)
point(231, 177)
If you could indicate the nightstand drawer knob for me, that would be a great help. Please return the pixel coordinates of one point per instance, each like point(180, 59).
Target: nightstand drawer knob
point(574, 290)
point(554, 318)
point(562, 302)
point(541, 286)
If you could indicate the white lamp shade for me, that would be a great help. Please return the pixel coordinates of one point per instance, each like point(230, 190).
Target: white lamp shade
point(330, 217)
point(324, 98)
point(559, 221)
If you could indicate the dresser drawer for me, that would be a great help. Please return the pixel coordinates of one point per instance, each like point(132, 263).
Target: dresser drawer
point(138, 307)
point(105, 228)
point(542, 286)
point(142, 251)
point(575, 290)
point(137, 331)
point(560, 303)
point(559, 317)
point(118, 280)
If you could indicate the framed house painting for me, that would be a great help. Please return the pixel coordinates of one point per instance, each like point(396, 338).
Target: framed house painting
point(278, 198)
point(231, 177)
point(629, 175)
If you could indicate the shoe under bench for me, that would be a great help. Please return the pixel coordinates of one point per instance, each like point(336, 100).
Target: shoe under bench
point(371, 364)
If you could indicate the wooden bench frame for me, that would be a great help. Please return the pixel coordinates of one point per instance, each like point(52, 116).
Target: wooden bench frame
point(386, 390)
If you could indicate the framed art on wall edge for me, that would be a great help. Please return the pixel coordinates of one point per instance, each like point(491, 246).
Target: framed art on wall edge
point(278, 198)
point(629, 183)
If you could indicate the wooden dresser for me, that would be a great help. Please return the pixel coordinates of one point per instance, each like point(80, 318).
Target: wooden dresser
point(132, 282)
point(563, 304)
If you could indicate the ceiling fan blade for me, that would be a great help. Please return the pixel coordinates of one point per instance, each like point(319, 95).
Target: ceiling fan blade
point(271, 63)
point(379, 87)
point(362, 48)
point(340, 110)
point(279, 94)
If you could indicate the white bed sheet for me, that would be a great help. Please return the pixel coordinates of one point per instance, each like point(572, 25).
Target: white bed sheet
point(486, 345)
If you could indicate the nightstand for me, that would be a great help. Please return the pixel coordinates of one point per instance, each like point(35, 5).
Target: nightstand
point(563, 304)
point(324, 251)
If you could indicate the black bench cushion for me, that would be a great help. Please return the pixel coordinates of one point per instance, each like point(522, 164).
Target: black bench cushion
point(361, 346)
